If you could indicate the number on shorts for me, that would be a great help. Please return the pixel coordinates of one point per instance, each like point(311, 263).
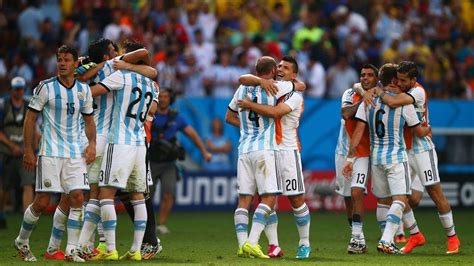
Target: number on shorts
point(428, 175)
point(379, 125)
point(360, 178)
point(86, 179)
point(290, 184)
point(254, 116)
point(101, 176)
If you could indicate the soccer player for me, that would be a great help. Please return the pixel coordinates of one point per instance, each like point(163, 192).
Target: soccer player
point(355, 186)
point(423, 159)
point(133, 95)
point(390, 174)
point(256, 168)
point(61, 164)
point(287, 114)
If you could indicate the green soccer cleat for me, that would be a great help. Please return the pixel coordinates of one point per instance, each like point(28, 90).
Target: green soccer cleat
point(254, 251)
point(101, 247)
point(136, 256)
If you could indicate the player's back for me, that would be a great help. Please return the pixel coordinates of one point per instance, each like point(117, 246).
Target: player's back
point(131, 104)
point(287, 126)
point(103, 104)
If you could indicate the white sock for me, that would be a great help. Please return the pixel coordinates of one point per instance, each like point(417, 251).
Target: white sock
point(401, 229)
point(394, 216)
point(73, 228)
point(303, 221)
point(139, 221)
point(100, 231)
point(57, 232)
point(241, 222)
point(259, 221)
point(410, 222)
point(91, 218)
point(271, 229)
point(448, 223)
point(381, 214)
point(30, 218)
point(109, 221)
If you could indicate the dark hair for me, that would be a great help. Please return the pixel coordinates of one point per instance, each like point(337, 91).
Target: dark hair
point(98, 49)
point(387, 72)
point(170, 92)
point(130, 46)
point(64, 49)
point(292, 60)
point(409, 68)
point(376, 71)
point(265, 64)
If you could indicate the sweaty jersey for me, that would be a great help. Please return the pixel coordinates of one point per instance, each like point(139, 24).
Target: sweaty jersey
point(133, 94)
point(421, 144)
point(363, 149)
point(257, 132)
point(61, 108)
point(287, 126)
point(386, 130)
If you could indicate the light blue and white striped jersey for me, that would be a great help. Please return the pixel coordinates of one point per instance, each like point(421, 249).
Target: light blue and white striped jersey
point(257, 132)
point(103, 104)
point(387, 145)
point(133, 95)
point(421, 144)
point(62, 109)
point(342, 147)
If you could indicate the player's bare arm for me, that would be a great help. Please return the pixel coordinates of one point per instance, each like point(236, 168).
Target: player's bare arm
point(144, 70)
point(136, 56)
point(29, 158)
point(98, 89)
point(90, 73)
point(354, 142)
point(395, 100)
point(263, 109)
point(232, 118)
point(268, 85)
point(193, 135)
point(349, 111)
point(422, 131)
point(90, 130)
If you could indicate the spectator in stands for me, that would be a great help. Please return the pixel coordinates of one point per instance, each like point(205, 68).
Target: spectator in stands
point(222, 77)
point(190, 74)
point(340, 77)
point(316, 77)
point(220, 147)
point(22, 69)
point(167, 71)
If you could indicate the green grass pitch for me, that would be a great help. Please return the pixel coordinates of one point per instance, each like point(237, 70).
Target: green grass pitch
point(208, 238)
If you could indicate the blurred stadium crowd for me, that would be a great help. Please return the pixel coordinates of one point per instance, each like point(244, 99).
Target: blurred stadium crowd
point(200, 47)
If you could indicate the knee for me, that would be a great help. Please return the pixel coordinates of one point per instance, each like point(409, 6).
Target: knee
point(296, 201)
point(76, 198)
point(41, 202)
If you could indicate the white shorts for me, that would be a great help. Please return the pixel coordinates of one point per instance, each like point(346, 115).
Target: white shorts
point(124, 167)
point(391, 180)
point(360, 175)
point(425, 165)
point(416, 182)
point(289, 168)
point(61, 175)
point(256, 172)
point(93, 169)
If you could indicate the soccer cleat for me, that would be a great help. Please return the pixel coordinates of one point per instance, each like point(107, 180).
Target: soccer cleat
point(162, 229)
point(24, 251)
point(356, 246)
point(101, 247)
point(57, 255)
point(73, 257)
point(388, 248)
point(453, 245)
point(414, 241)
point(149, 251)
point(400, 238)
point(136, 256)
point(274, 251)
point(303, 252)
point(86, 253)
point(112, 255)
point(254, 251)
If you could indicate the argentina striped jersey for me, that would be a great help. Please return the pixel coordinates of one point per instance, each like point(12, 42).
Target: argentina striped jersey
point(421, 144)
point(133, 94)
point(62, 108)
point(257, 132)
point(387, 145)
point(342, 147)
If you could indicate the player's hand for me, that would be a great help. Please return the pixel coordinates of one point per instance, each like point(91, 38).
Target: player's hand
point(244, 104)
point(121, 65)
point(29, 161)
point(89, 153)
point(269, 85)
point(84, 68)
point(347, 169)
point(16, 150)
point(368, 98)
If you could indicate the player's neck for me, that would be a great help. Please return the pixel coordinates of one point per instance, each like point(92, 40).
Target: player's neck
point(67, 81)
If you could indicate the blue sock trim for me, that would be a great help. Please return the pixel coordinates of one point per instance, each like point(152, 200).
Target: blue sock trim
point(73, 224)
point(259, 218)
point(272, 219)
point(302, 220)
point(393, 219)
point(109, 225)
point(382, 224)
point(140, 225)
point(27, 226)
point(91, 217)
point(241, 228)
point(57, 233)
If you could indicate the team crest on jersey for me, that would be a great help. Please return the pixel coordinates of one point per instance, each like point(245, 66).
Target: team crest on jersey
point(80, 95)
point(47, 182)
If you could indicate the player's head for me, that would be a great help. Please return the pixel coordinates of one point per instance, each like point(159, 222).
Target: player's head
point(18, 85)
point(368, 76)
point(407, 72)
point(388, 74)
point(101, 50)
point(130, 46)
point(266, 65)
point(287, 68)
point(67, 60)
point(166, 98)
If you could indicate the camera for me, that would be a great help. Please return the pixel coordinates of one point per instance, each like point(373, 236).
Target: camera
point(166, 151)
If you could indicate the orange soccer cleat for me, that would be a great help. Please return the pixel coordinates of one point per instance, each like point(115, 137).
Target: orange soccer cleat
point(453, 245)
point(414, 241)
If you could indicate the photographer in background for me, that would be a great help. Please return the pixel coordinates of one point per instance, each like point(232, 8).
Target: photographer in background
point(165, 151)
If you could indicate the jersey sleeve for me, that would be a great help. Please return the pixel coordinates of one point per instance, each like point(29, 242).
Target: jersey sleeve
point(347, 97)
point(87, 108)
point(114, 82)
point(418, 95)
point(233, 103)
point(361, 113)
point(156, 91)
point(410, 115)
point(284, 87)
point(39, 99)
point(181, 123)
point(294, 100)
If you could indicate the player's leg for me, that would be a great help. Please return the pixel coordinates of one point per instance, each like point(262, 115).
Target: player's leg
point(246, 188)
point(169, 178)
point(359, 178)
point(59, 226)
point(383, 205)
point(303, 222)
point(416, 237)
point(343, 187)
point(27, 182)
